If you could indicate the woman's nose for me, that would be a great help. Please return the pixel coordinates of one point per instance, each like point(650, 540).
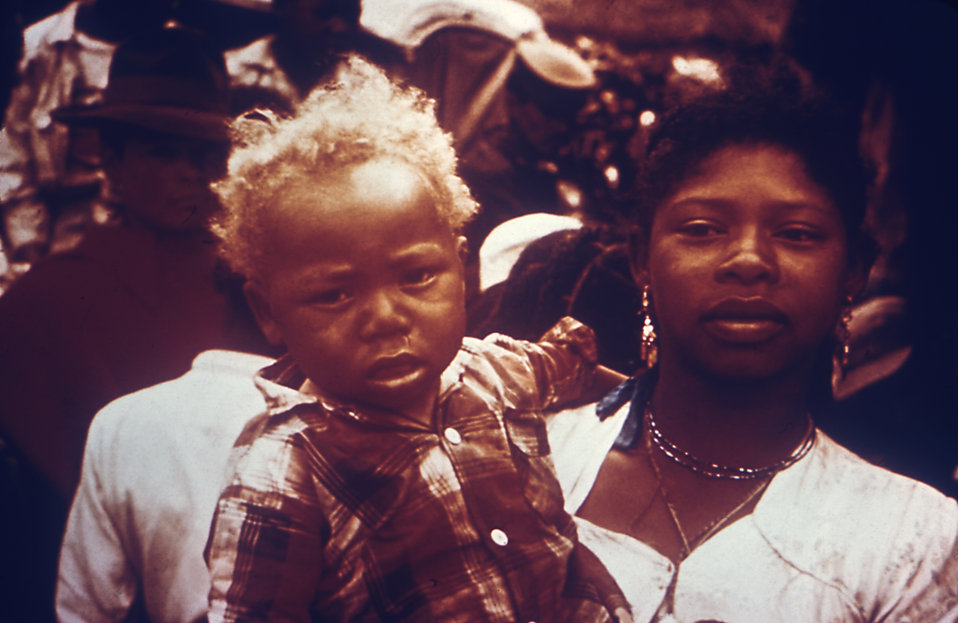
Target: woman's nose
point(383, 315)
point(750, 259)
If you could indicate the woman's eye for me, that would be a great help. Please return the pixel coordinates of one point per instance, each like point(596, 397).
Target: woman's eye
point(700, 229)
point(417, 277)
point(799, 234)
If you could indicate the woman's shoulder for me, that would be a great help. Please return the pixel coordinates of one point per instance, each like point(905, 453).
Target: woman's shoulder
point(834, 513)
point(884, 537)
point(838, 475)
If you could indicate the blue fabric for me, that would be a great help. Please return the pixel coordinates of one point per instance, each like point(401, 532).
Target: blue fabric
point(638, 390)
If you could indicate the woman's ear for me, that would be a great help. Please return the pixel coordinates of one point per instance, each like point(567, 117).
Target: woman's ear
point(857, 277)
point(855, 284)
point(638, 255)
point(258, 303)
point(462, 247)
point(860, 265)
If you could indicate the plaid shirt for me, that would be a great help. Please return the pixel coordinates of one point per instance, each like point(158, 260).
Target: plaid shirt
point(333, 515)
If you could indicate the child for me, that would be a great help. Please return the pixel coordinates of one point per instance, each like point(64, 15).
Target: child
point(400, 472)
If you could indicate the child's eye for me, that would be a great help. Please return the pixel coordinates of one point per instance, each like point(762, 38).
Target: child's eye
point(330, 298)
point(700, 229)
point(417, 277)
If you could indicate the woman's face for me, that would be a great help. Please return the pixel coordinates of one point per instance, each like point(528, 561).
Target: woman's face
point(747, 266)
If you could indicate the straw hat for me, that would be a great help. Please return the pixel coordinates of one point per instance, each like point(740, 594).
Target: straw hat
point(170, 80)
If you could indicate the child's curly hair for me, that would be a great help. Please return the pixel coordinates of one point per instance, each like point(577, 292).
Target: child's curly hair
point(359, 116)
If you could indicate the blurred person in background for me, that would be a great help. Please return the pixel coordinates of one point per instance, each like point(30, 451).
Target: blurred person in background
point(154, 465)
point(310, 39)
point(134, 302)
point(50, 178)
point(51, 182)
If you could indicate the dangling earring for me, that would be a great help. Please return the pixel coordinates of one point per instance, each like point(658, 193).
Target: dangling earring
point(844, 335)
point(648, 350)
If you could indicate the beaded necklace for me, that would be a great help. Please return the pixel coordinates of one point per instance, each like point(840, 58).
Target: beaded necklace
point(715, 470)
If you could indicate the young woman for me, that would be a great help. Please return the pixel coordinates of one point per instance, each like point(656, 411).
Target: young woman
point(703, 484)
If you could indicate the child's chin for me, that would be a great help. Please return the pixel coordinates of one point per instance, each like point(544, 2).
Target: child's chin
point(401, 394)
point(398, 391)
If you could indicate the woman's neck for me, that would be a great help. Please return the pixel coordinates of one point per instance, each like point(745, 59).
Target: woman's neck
point(734, 423)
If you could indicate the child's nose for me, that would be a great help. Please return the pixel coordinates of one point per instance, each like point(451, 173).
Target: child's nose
point(383, 315)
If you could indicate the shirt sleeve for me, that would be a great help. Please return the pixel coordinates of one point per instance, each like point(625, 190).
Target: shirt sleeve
point(560, 366)
point(921, 579)
point(265, 552)
point(938, 600)
point(96, 581)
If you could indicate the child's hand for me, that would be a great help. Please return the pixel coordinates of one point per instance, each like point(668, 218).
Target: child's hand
point(622, 615)
point(603, 381)
point(607, 378)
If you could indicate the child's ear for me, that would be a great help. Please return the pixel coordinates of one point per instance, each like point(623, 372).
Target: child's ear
point(462, 246)
point(259, 304)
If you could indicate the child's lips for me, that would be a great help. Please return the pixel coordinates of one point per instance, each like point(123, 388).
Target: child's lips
point(393, 367)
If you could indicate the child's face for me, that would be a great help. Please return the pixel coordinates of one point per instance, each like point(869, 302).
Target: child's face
point(364, 285)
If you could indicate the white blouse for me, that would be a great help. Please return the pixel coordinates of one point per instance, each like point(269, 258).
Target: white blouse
point(832, 539)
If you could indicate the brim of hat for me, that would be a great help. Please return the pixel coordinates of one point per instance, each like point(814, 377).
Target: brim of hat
point(556, 63)
point(167, 119)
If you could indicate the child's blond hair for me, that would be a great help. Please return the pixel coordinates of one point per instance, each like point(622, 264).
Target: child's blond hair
point(360, 116)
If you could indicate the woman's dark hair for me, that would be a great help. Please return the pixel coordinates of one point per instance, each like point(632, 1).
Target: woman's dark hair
point(766, 112)
point(583, 273)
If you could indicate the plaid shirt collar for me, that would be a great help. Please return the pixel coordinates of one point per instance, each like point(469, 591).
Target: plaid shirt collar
point(285, 387)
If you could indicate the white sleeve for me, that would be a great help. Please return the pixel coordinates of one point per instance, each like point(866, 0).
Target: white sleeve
point(929, 594)
point(96, 581)
point(913, 576)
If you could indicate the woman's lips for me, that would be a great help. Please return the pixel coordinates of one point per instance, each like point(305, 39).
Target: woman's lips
point(740, 331)
point(744, 320)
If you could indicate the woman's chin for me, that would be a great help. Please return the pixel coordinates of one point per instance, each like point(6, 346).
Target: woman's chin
point(745, 366)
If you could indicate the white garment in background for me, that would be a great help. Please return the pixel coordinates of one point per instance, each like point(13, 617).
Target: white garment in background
point(833, 539)
point(153, 468)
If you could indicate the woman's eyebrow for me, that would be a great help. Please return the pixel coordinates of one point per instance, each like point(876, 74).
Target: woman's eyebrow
point(696, 200)
point(793, 206)
point(727, 203)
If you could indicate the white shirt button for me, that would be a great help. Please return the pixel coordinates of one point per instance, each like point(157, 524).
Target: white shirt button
point(452, 436)
point(499, 537)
